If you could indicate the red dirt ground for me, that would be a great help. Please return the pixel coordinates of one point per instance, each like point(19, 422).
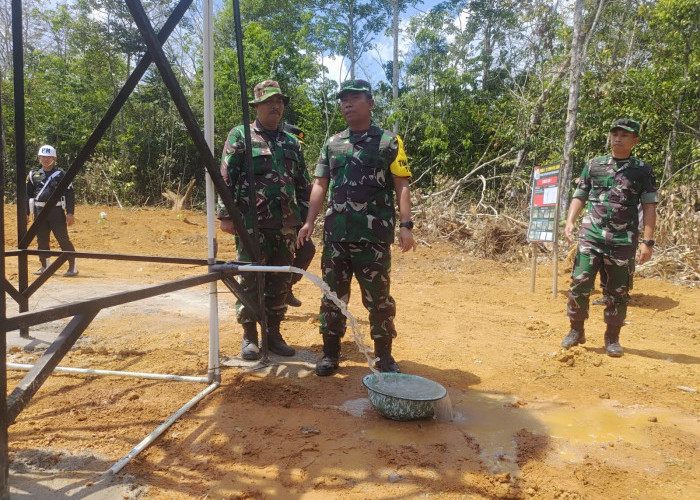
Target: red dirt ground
point(531, 420)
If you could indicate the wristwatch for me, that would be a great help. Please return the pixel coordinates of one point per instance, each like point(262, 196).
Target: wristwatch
point(408, 224)
point(649, 243)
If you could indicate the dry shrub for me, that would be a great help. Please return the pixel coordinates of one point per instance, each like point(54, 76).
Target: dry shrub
point(440, 219)
point(500, 240)
point(485, 233)
point(677, 253)
point(677, 216)
point(479, 229)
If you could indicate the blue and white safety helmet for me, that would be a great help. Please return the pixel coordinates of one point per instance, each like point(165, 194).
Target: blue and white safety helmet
point(47, 150)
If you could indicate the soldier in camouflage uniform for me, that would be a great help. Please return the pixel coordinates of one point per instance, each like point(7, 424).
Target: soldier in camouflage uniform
point(282, 188)
point(613, 185)
point(601, 301)
point(361, 168)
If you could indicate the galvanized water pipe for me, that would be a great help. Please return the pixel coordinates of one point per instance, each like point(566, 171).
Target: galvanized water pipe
point(208, 64)
point(148, 440)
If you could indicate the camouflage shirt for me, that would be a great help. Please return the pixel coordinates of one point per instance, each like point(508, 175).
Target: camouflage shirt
point(614, 189)
point(282, 183)
point(361, 189)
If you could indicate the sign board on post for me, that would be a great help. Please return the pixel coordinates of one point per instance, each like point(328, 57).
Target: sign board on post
point(544, 213)
point(545, 193)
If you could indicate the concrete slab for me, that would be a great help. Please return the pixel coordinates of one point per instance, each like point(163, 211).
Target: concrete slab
point(36, 341)
point(50, 474)
point(302, 364)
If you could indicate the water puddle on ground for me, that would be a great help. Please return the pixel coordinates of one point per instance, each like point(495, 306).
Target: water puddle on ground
point(495, 422)
point(594, 425)
point(493, 426)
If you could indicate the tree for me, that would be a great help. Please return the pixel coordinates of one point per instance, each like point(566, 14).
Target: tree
point(348, 27)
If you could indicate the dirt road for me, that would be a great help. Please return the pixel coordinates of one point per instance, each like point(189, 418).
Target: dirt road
point(531, 421)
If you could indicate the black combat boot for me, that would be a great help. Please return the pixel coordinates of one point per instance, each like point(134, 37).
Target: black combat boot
point(292, 300)
point(386, 362)
point(612, 341)
point(328, 364)
point(249, 345)
point(576, 335)
point(275, 342)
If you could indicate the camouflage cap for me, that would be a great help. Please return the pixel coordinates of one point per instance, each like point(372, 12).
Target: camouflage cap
point(626, 124)
point(267, 89)
point(294, 130)
point(354, 86)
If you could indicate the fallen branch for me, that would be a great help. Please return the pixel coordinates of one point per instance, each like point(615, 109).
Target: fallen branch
point(180, 200)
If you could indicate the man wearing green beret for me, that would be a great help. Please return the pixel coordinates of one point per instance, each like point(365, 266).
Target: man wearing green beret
point(362, 168)
point(282, 187)
point(611, 187)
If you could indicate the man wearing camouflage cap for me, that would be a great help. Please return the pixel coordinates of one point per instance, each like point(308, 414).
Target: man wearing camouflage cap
point(282, 187)
point(613, 186)
point(362, 168)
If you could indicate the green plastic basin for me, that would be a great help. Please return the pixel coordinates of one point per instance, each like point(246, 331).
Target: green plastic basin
point(400, 396)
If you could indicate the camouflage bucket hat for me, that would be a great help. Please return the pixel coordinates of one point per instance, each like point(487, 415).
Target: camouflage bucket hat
point(626, 124)
point(354, 86)
point(266, 89)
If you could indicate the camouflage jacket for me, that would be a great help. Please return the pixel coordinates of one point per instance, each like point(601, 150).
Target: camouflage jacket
point(282, 182)
point(614, 190)
point(361, 189)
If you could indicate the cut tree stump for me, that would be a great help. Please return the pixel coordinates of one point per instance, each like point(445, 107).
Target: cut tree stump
point(180, 200)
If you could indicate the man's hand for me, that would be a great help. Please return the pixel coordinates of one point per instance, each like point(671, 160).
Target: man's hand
point(406, 241)
point(304, 234)
point(575, 208)
point(70, 219)
point(644, 253)
point(227, 226)
point(568, 231)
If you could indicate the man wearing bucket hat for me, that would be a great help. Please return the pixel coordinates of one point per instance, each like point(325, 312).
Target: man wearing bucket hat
point(304, 254)
point(611, 187)
point(41, 184)
point(282, 187)
point(362, 168)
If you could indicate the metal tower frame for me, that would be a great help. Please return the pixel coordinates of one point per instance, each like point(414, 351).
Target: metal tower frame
point(83, 312)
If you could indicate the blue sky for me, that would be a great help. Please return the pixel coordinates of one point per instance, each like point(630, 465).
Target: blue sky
point(370, 66)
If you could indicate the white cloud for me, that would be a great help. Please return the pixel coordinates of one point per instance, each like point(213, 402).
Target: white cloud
point(459, 22)
point(337, 67)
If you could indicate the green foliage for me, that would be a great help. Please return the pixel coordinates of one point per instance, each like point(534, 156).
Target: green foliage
point(481, 81)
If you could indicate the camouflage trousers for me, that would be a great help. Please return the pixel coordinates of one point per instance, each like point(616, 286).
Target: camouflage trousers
point(277, 249)
point(371, 265)
point(591, 256)
point(604, 274)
